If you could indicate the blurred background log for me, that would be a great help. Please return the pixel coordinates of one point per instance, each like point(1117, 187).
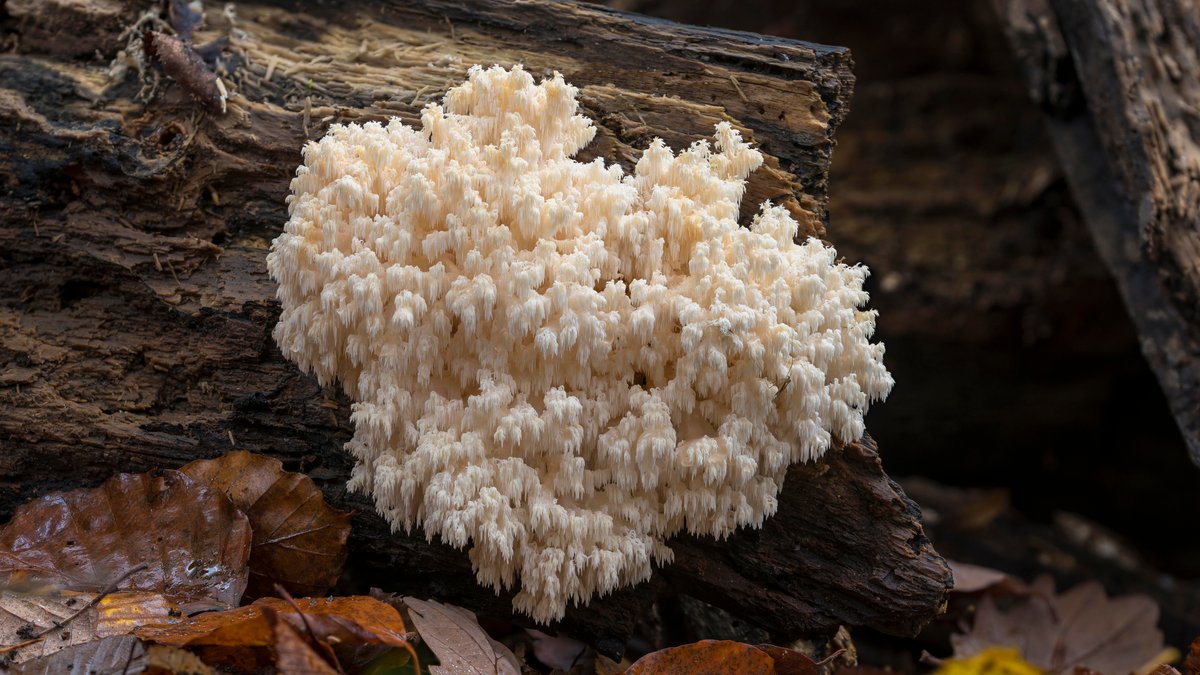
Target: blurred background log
point(1119, 83)
point(136, 313)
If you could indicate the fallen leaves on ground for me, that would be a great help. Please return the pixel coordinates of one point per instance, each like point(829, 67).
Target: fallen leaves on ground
point(294, 654)
point(52, 621)
point(792, 662)
point(355, 619)
point(299, 540)
point(718, 657)
point(357, 629)
point(458, 641)
point(191, 540)
point(970, 578)
point(558, 651)
point(111, 655)
point(1081, 628)
point(989, 661)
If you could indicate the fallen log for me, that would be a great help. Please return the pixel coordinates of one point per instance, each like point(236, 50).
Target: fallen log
point(136, 319)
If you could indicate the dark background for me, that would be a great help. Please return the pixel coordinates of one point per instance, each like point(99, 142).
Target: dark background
point(1016, 365)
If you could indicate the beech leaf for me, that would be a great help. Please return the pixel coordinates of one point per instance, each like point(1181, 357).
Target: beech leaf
point(292, 652)
point(299, 540)
point(50, 622)
point(111, 655)
point(1082, 628)
point(457, 640)
point(191, 540)
point(706, 657)
point(347, 620)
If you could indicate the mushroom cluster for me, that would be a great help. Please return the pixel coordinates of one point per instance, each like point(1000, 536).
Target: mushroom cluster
point(554, 363)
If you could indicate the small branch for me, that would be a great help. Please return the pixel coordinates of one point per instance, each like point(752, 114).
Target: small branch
point(93, 602)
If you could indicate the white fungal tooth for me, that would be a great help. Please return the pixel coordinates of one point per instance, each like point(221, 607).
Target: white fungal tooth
point(554, 364)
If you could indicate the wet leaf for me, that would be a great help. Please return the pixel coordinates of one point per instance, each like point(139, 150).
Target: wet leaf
point(299, 540)
point(707, 657)
point(353, 620)
point(110, 655)
point(1080, 628)
point(53, 622)
point(194, 543)
point(458, 641)
point(292, 652)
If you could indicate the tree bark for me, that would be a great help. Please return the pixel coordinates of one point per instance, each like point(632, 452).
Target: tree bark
point(136, 314)
point(1117, 81)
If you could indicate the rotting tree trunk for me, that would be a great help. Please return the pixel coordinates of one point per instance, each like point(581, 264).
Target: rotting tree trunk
point(136, 314)
point(1118, 82)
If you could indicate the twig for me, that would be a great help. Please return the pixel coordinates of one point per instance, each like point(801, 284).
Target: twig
point(283, 593)
point(9, 648)
point(94, 601)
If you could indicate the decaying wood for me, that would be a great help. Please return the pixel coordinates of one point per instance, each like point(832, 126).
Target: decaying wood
point(1117, 80)
point(136, 318)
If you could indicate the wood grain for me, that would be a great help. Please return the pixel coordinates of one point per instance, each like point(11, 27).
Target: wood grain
point(136, 317)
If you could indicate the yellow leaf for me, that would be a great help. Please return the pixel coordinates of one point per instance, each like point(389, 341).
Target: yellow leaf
point(990, 661)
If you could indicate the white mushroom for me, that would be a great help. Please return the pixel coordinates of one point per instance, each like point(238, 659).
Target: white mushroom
point(553, 363)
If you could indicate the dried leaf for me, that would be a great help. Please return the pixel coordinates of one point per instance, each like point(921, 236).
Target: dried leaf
point(558, 651)
point(299, 540)
point(1080, 628)
point(194, 543)
point(457, 640)
point(973, 578)
point(348, 620)
point(111, 655)
point(990, 661)
point(707, 657)
point(163, 659)
point(792, 662)
point(54, 622)
point(292, 652)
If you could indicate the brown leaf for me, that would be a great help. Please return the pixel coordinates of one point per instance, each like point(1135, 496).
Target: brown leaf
point(299, 540)
point(558, 651)
point(194, 543)
point(1191, 664)
point(457, 640)
point(111, 655)
point(792, 662)
point(171, 661)
point(292, 652)
point(707, 657)
point(46, 624)
point(355, 620)
point(1080, 628)
point(973, 578)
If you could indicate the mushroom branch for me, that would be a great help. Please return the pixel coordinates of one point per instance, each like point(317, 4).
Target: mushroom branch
point(726, 367)
point(554, 364)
